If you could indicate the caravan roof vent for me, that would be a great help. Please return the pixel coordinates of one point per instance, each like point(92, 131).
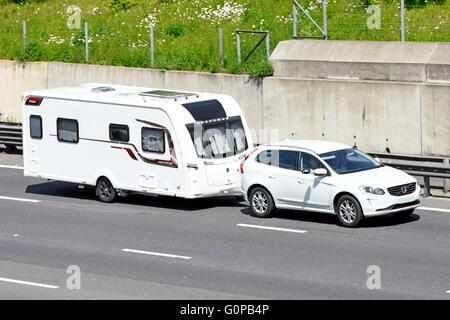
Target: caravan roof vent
point(102, 89)
point(164, 94)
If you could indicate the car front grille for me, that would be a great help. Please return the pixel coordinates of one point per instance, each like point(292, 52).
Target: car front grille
point(402, 190)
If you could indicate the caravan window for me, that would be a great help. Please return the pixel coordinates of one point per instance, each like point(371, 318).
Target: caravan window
point(153, 140)
point(67, 130)
point(219, 139)
point(119, 132)
point(240, 141)
point(36, 127)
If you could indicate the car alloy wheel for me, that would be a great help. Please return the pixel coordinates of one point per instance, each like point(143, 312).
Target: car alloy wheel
point(347, 210)
point(260, 202)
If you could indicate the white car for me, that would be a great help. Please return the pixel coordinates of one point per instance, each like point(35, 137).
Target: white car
point(324, 176)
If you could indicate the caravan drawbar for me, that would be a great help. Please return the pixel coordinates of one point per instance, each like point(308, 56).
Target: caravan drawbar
point(124, 139)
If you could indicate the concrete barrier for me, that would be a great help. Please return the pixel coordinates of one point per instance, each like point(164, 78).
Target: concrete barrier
point(15, 78)
point(382, 96)
point(363, 60)
point(373, 116)
point(245, 89)
point(435, 120)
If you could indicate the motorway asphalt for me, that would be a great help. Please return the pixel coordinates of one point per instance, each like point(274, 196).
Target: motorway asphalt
point(207, 249)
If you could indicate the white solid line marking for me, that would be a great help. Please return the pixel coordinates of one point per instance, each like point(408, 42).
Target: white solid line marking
point(434, 209)
point(448, 291)
point(29, 283)
point(11, 167)
point(157, 254)
point(20, 199)
point(270, 228)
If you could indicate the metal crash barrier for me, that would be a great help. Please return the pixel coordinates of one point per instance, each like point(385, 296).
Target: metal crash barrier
point(11, 134)
point(426, 167)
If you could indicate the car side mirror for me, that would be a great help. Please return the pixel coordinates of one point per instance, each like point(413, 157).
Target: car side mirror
point(320, 172)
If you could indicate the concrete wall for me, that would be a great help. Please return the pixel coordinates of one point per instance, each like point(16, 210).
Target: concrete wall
point(363, 60)
point(374, 94)
point(408, 117)
point(374, 116)
point(245, 89)
point(15, 78)
point(435, 116)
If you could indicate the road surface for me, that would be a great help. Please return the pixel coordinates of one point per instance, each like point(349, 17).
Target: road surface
point(165, 248)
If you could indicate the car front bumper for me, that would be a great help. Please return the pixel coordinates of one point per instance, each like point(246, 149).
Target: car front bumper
point(380, 205)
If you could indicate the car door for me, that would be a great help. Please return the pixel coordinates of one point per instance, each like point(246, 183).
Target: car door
point(286, 179)
point(317, 189)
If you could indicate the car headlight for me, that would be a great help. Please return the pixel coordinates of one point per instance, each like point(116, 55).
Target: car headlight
point(371, 190)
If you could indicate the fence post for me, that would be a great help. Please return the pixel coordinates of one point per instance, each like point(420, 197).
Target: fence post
point(402, 15)
point(446, 181)
point(152, 54)
point(238, 45)
point(325, 19)
point(294, 14)
point(267, 45)
point(24, 36)
point(86, 40)
point(220, 47)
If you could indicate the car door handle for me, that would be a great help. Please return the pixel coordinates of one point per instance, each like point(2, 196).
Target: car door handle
point(272, 177)
point(301, 181)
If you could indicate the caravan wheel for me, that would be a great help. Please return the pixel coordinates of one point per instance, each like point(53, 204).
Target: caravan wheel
point(105, 190)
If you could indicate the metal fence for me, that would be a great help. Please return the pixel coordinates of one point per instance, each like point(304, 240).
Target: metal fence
point(371, 20)
point(179, 44)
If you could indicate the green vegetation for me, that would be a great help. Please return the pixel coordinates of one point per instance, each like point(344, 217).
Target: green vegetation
point(186, 31)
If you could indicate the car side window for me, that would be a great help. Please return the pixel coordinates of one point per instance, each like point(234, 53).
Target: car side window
point(265, 157)
point(287, 159)
point(284, 159)
point(307, 163)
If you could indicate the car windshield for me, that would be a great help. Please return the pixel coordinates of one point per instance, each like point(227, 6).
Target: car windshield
point(349, 160)
point(219, 140)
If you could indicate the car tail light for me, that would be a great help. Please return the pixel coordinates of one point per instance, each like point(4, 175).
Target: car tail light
point(33, 101)
point(242, 164)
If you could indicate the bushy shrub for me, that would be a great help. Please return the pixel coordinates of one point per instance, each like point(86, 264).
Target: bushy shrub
point(261, 69)
point(175, 30)
point(121, 5)
point(33, 51)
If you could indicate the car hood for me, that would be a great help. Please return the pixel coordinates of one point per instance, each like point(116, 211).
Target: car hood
point(383, 177)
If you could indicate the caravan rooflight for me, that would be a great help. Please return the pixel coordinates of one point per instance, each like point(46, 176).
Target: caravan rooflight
point(103, 89)
point(165, 94)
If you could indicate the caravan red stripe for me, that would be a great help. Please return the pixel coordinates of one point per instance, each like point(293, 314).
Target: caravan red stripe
point(128, 150)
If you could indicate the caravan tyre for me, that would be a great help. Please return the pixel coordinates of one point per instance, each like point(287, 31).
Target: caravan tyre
point(105, 190)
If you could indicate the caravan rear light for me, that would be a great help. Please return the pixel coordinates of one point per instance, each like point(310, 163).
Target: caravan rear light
point(242, 164)
point(33, 101)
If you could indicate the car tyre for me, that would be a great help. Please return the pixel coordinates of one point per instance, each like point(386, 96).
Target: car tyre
point(105, 190)
point(349, 211)
point(261, 203)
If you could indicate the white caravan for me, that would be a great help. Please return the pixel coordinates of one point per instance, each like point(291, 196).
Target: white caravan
point(125, 139)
